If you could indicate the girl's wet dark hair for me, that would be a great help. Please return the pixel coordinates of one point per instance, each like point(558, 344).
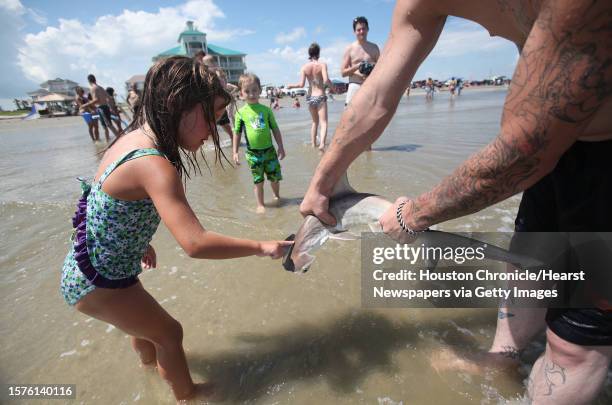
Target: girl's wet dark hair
point(314, 51)
point(172, 87)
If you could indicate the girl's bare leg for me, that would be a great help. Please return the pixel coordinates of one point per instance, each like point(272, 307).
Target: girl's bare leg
point(323, 120)
point(134, 311)
point(145, 350)
point(315, 126)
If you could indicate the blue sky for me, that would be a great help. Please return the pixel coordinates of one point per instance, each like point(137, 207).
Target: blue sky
point(40, 40)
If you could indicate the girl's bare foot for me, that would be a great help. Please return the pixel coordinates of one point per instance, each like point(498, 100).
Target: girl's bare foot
point(260, 209)
point(202, 392)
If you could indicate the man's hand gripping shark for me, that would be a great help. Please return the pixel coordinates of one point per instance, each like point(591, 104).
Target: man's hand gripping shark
point(351, 208)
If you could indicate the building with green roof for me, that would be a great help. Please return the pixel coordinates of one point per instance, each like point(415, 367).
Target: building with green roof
point(191, 41)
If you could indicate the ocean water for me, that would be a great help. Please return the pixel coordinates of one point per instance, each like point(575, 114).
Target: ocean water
point(261, 334)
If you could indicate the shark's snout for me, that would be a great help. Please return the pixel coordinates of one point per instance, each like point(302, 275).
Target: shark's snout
point(287, 261)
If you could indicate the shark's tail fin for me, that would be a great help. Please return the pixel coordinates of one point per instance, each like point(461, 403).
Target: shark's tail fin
point(342, 186)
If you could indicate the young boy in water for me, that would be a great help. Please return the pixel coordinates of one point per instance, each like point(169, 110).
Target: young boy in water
point(258, 122)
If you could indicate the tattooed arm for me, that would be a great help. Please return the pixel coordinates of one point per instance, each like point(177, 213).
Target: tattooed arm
point(563, 76)
point(415, 29)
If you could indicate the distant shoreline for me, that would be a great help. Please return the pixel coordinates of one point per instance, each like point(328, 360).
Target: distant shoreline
point(285, 102)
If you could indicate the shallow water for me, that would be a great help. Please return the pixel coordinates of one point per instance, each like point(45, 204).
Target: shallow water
point(261, 334)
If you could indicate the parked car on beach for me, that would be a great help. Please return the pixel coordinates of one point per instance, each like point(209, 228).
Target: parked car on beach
point(300, 91)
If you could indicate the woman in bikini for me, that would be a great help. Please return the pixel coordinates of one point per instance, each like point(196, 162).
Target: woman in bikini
point(316, 73)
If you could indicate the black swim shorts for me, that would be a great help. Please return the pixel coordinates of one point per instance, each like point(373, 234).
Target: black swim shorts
point(575, 197)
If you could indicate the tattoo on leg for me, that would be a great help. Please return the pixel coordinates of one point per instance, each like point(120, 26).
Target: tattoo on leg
point(503, 315)
point(554, 376)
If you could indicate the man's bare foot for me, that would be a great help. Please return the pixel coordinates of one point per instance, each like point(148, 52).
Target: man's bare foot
point(260, 209)
point(447, 359)
point(202, 392)
point(322, 148)
point(276, 201)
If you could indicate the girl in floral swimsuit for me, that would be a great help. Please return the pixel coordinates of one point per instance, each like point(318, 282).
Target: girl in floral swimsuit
point(140, 182)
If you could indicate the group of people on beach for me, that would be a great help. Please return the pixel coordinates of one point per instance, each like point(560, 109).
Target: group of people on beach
point(553, 145)
point(100, 106)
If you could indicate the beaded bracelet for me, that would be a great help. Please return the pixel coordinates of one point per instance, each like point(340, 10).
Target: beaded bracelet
point(401, 222)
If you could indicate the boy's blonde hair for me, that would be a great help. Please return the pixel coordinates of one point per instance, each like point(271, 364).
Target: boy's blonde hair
point(246, 79)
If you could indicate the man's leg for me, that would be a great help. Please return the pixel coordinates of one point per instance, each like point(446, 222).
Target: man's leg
point(96, 131)
point(91, 133)
point(108, 120)
point(314, 126)
point(516, 327)
point(568, 373)
point(102, 120)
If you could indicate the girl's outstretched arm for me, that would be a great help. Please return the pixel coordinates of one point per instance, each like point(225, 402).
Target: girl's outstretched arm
point(164, 187)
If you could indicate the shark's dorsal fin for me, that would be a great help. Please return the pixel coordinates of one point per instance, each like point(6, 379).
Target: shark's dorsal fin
point(342, 186)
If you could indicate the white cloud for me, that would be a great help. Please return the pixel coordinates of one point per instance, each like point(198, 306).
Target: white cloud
point(297, 33)
point(466, 38)
point(282, 65)
point(37, 16)
point(115, 47)
point(13, 6)
point(227, 35)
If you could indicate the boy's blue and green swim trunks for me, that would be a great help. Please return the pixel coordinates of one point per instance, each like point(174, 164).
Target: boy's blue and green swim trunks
point(264, 161)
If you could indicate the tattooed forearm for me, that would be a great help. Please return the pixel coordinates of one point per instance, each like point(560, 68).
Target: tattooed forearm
point(562, 78)
point(493, 174)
